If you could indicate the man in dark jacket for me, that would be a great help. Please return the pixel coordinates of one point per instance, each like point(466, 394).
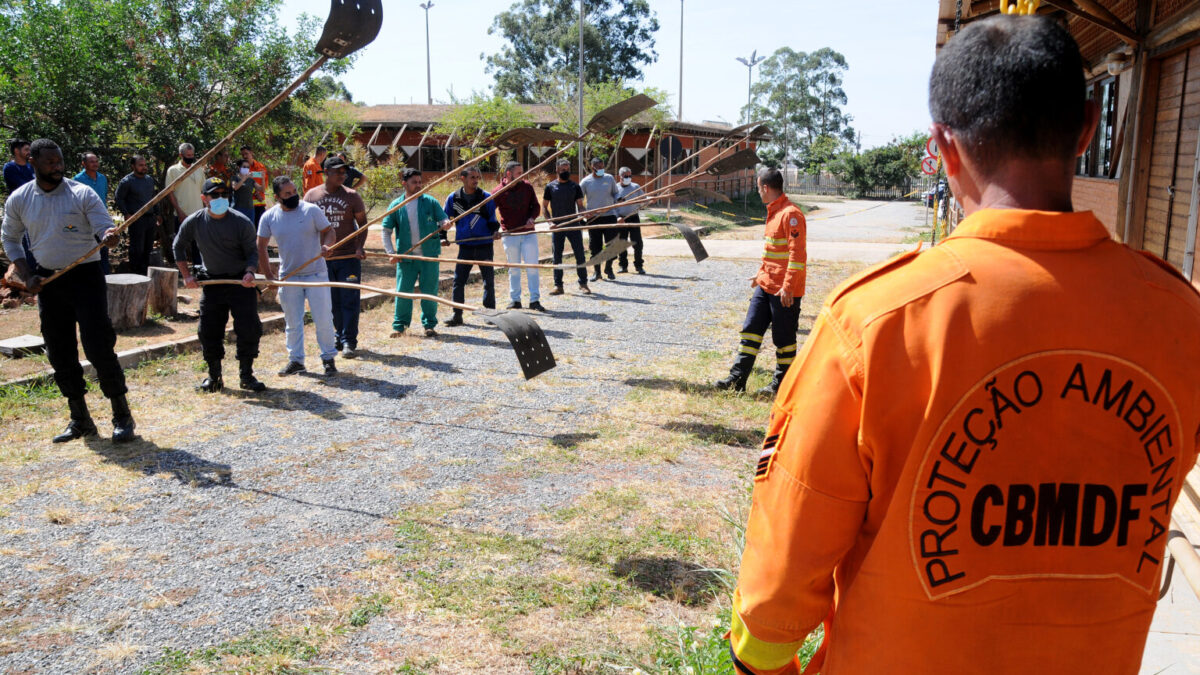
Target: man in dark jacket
point(477, 227)
point(134, 190)
point(518, 209)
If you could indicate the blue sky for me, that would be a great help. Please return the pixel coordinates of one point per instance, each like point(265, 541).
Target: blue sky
point(889, 47)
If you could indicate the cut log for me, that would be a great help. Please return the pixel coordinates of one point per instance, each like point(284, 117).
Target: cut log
point(164, 291)
point(127, 295)
point(270, 294)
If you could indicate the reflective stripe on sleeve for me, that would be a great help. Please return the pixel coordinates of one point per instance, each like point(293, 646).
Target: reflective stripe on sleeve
point(752, 337)
point(747, 349)
point(756, 653)
point(776, 255)
point(795, 266)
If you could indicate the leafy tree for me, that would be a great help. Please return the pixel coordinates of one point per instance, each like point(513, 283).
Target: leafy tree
point(119, 76)
point(801, 97)
point(597, 97)
point(891, 165)
point(542, 43)
point(484, 118)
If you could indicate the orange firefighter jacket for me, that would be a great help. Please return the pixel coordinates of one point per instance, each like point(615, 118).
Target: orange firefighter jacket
point(784, 254)
point(971, 466)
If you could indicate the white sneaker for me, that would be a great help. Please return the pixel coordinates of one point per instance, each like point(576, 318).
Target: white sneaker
point(348, 353)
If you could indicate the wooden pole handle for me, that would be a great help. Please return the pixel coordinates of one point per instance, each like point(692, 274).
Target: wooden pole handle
point(340, 284)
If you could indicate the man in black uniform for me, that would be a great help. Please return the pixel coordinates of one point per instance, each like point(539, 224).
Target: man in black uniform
point(63, 220)
point(228, 248)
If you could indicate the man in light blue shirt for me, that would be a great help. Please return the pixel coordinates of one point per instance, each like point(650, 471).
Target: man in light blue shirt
point(599, 190)
point(91, 177)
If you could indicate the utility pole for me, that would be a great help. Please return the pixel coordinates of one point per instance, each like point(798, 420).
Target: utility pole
point(754, 60)
point(428, 67)
point(679, 115)
point(580, 92)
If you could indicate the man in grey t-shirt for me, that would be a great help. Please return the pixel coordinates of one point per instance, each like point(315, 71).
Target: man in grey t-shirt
point(599, 190)
point(301, 232)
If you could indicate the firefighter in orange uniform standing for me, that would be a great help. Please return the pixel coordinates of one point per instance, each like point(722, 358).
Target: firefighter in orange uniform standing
point(973, 465)
point(778, 287)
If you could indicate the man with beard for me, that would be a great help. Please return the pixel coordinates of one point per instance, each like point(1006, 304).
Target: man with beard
point(345, 210)
point(133, 192)
point(64, 220)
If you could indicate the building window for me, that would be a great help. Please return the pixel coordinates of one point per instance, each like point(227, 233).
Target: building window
point(1098, 160)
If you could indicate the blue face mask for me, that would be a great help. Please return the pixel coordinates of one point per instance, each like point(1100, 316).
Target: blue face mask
point(599, 172)
point(218, 206)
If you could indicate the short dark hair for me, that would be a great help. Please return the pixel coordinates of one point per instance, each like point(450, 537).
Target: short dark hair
point(134, 160)
point(511, 165)
point(598, 160)
point(467, 170)
point(239, 162)
point(278, 182)
point(319, 150)
point(245, 148)
point(409, 172)
point(563, 161)
point(83, 156)
point(772, 178)
point(42, 145)
point(1010, 87)
point(16, 143)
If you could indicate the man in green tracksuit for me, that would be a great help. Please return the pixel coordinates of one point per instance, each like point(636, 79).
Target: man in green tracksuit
point(403, 228)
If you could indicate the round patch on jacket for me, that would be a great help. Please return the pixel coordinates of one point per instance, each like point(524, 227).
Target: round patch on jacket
point(794, 222)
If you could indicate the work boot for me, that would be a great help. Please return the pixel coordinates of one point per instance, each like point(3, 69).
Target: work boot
point(738, 374)
point(455, 320)
point(81, 423)
point(213, 383)
point(247, 379)
point(537, 307)
point(123, 424)
point(330, 367)
point(515, 304)
point(772, 387)
point(291, 368)
point(595, 276)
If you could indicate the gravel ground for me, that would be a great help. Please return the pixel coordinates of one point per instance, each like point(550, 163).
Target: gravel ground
point(280, 493)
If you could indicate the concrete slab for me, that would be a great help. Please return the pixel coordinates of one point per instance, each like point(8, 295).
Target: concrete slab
point(22, 345)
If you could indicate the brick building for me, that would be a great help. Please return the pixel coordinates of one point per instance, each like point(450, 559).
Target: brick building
point(1143, 69)
point(405, 133)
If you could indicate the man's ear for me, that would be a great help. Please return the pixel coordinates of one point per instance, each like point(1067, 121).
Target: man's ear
point(1091, 118)
point(947, 147)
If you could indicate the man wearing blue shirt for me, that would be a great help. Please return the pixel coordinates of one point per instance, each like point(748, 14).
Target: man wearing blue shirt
point(91, 177)
point(479, 225)
point(17, 172)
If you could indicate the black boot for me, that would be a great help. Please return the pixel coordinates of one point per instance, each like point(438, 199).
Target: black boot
point(123, 424)
point(81, 423)
point(738, 374)
point(456, 319)
point(248, 381)
point(773, 387)
point(213, 383)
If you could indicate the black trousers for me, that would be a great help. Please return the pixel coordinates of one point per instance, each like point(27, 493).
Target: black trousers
point(462, 272)
point(141, 242)
point(768, 310)
point(80, 298)
point(633, 234)
point(598, 238)
point(166, 238)
point(216, 304)
point(559, 241)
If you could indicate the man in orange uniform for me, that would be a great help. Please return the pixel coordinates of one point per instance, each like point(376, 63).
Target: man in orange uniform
point(973, 465)
point(314, 175)
point(778, 287)
point(262, 178)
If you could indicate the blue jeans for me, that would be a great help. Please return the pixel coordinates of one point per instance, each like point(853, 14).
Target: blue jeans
point(292, 298)
point(345, 301)
point(486, 272)
point(522, 248)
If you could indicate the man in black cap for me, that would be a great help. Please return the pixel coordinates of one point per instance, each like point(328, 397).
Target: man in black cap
point(64, 220)
point(227, 245)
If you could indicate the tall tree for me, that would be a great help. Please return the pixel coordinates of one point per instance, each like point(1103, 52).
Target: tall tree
point(542, 43)
point(598, 96)
point(117, 76)
point(801, 96)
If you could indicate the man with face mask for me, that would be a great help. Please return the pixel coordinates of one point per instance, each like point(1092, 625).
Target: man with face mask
point(226, 242)
point(185, 199)
point(600, 189)
point(302, 231)
point(64, 220)
point(133, 192)
point(628, 214)
point(561, 200)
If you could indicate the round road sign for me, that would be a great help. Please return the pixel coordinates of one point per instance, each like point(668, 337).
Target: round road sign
point(929, 166)
point(931, 147)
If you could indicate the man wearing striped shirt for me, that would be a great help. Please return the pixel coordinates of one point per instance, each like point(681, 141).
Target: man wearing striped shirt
point(778, 288)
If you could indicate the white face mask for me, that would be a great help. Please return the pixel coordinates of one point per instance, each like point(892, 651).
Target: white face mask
point(244, 171)
point(626, 180)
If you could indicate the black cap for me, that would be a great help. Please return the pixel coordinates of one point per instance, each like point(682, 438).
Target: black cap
point(214, 186)
point(333, 162)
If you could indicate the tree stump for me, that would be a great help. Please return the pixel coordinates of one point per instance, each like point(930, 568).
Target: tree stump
point(270, 294)
point(127, 295)
point(164, 291)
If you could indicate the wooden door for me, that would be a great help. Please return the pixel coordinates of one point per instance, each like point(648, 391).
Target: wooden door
point(1173, 155)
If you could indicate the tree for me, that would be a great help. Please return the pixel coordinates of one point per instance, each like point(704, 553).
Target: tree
point(597, 97)
point(482, 117)
point(892, 165)
point(542, 44)
point(800, 95)
point(124, 76)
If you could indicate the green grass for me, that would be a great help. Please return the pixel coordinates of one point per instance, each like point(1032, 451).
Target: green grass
point(369, 608)
point(266, 651)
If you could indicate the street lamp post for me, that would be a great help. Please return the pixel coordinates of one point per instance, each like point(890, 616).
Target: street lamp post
point(679, 115)
point(428, 68)
point(754, 60)
point(579, 146)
